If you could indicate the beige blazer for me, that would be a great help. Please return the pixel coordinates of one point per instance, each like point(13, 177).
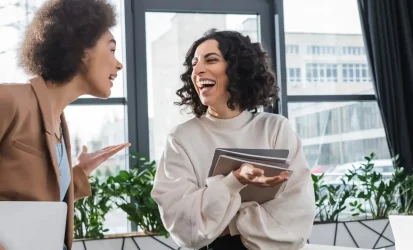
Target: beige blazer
point(28, 162)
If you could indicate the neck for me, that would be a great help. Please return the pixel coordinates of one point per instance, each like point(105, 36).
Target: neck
point(223, 112)
point(62, 94)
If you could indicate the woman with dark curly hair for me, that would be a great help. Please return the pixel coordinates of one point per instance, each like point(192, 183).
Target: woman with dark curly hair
point(226, 77)
point(70, 51)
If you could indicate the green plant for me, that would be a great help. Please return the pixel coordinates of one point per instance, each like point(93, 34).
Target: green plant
point(137, 185)
point(406, 188)
point(381, 196)
point(406, 193)
point(90, 212)
point(331, 199)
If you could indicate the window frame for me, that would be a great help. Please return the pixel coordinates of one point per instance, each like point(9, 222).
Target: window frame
point(285, 98)
point(135, 24)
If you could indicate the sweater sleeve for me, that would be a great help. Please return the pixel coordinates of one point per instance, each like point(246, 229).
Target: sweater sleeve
point(193, 215)
point(285, 222)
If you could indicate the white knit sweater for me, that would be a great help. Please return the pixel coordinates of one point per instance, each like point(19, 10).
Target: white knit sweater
point(196, 209)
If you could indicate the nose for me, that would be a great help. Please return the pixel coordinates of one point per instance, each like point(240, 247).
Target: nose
point(119, 66)
point(199, 69)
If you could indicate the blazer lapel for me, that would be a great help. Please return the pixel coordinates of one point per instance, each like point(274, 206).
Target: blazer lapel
point(66, 136)
point(40, 90)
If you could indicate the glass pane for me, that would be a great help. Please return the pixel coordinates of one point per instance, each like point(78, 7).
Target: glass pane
point(168, 38)
point(330, 48)
point(98, 127)
point(15, 15)
point(337, 135)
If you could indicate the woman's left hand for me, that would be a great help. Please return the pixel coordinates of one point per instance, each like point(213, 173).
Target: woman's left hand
point(90, 161)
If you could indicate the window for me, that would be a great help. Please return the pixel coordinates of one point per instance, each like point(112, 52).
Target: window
point(336, 118)
point(294, 75)
point(336, 134)
point(356, 73)
point(330, 46)
point(321, 72)
point(339, 133)
point(321, 50)
point(353, 50)
point(291, 49)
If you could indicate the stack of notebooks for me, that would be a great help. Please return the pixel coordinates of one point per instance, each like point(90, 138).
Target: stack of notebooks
point(272, 161)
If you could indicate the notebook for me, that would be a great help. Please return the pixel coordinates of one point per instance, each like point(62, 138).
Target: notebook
point(272, 161)
point(32, 225)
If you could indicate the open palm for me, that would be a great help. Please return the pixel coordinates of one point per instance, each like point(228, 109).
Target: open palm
point(90, 161)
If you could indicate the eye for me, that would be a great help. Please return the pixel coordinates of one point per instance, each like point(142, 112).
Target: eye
point(113, 51)
point(193, 64)
point(212, 60)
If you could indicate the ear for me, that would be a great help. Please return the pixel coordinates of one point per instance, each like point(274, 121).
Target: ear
point(87, 56)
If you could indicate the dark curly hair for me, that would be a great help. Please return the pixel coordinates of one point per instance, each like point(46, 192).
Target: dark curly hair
point(61, 30)
point(251, 79)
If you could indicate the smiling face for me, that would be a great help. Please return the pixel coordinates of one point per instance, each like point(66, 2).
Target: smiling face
point(102, 66)
point(209, 75)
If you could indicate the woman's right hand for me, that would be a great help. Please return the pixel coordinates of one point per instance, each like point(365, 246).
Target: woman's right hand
point(248, 174)
point(2, 248)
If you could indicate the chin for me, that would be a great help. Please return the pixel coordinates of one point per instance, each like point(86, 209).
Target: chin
point(102, 94)
point(106, 95)
point(206, 102)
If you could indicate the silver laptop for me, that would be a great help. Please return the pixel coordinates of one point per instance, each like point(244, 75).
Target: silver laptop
point(401, 226)
point(32, 225)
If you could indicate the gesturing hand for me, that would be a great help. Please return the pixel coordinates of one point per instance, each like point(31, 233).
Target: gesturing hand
point(248, 174)
point(90, 161)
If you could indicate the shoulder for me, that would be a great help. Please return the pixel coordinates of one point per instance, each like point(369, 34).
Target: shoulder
point(278, 128)
point(15, 92)
point(185, 129)
point(15, 97)
point(271, 121)
point(270, 117)
point(8, 101)
point(190, 134)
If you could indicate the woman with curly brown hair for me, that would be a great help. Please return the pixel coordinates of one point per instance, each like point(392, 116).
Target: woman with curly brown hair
point(226, 77)
point(70, 51)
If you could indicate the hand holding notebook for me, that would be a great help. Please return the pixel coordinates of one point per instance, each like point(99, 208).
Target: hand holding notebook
point(248, 174)
point(272, 163)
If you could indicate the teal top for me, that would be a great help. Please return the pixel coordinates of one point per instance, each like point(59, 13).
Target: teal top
point(64, 168)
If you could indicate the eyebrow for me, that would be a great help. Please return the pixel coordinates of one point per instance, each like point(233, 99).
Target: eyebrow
point(112, 41)
point(207, 55)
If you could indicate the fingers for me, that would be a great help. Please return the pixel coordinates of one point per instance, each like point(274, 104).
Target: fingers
point(273, 181)
point(257, 172)
point(248, 169)
point(114, 146)
point(276, 180)
point(282, 175)
point(84, 149)
point(256, 176)
point(110, 151)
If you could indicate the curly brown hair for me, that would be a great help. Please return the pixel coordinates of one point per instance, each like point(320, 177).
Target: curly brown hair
point(251, 79)
point(61, 30)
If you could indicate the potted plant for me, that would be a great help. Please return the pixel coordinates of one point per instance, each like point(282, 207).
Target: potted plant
point(369, 199)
